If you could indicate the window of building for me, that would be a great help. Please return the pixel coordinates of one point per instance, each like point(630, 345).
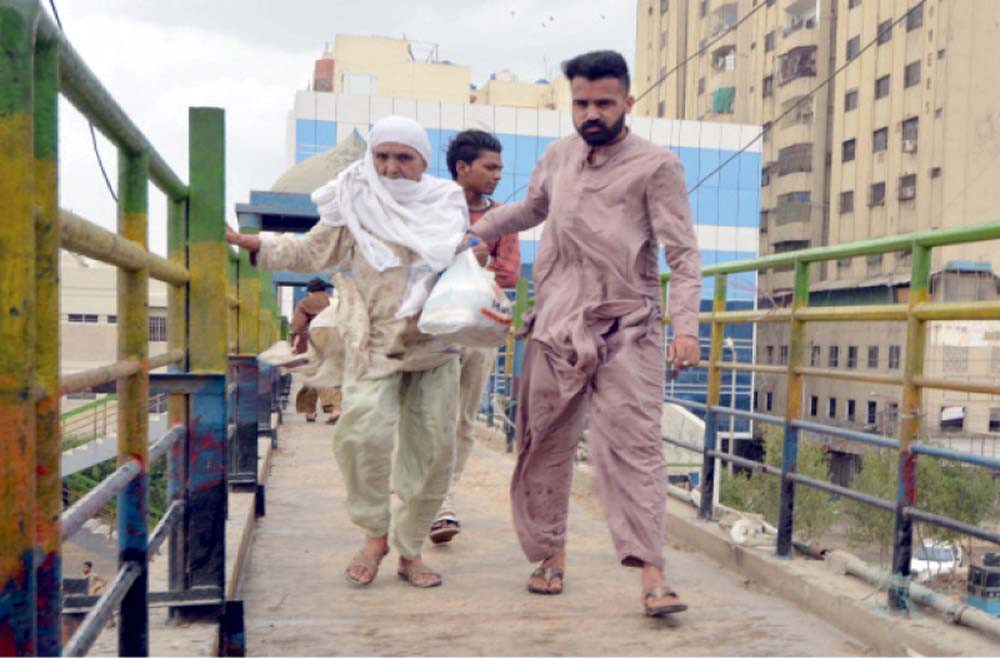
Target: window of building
point(894, 351)
point(797, 63)
point(701, 86)
point(908, 187)
point(722, 100)
point(768, 400)
point(814, 356)
point(873, 356)
point(783, 355)
point(994, 425)
point(793, 207)
point(850, 410)
point(763, 219)
point(952, 419)
point(876, 194)
point(769, 350)
point(911, 75)
point(664, 6)
point(813, 405)
point(884, 31)
point(851, 4)
point(955, 358)
point(765, 176)
point(853, 47)
point(940, 54)
point(847, 150)
point(703, 8)
point(882, 87)
point(831, 408)
point(833, 356)
point(852, 356)
point(661, 108)
point(157, 329)
point(872, 414)
point(915, 17)
point(112, 319)
point(795, 159)
point(851, 100)
point(880, 140)
point(874, 263)
point(75, 317)
point(769, 41)
point(846, 202)
point(911, 129)
point(767, 86)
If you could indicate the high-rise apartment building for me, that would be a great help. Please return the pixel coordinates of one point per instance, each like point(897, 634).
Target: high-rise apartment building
point(906, 138)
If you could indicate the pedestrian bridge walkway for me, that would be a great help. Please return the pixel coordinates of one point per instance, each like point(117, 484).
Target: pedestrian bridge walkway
point(296, 601)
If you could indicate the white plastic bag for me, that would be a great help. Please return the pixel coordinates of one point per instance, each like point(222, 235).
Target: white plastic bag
point(466, 305)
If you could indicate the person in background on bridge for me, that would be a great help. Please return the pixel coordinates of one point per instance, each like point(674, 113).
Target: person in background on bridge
point(475, 164)
point(308, 308)
point(396, 227)
point(596, 332)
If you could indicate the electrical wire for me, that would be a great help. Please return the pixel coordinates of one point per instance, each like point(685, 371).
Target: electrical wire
point(93, 133)
point(795, 106)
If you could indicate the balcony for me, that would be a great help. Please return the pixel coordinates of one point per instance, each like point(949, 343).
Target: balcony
point(798, 62)
point(723, 18)
point(800, 15)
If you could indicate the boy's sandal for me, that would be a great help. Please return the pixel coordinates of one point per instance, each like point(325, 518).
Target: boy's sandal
point(369, 563)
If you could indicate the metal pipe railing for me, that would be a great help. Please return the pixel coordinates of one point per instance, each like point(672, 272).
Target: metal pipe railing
point(84, 237)
point(87, 507)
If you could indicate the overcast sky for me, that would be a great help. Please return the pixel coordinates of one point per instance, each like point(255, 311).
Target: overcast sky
point(159, 57)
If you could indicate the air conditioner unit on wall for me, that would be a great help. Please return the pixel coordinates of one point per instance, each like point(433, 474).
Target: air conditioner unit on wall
point(909, 146)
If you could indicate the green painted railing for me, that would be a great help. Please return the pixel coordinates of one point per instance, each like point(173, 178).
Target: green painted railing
point(916, 312)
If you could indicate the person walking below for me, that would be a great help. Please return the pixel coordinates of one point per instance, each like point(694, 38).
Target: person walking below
point(308, 308)
point(396, 227)
point(475, 163)
point(607, 197)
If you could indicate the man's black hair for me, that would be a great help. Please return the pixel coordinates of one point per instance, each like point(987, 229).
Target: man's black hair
point(596, 65)
point(467, 145)
point(88, 563)
point(317, 285)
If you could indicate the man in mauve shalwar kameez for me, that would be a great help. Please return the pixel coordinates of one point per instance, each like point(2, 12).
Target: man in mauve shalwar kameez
point(607, 197)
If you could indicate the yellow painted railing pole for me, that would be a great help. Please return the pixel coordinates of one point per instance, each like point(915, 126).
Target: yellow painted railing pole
point(177, 404)
point(17, 331)
point(48, 485)
point(709, 470)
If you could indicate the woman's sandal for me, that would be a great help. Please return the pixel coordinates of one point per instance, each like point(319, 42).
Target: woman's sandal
point(660, 601)
point(410, 572)
point(367, 562)
point(548, 574)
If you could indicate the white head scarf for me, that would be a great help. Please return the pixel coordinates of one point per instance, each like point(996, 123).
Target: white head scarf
point(429, 216)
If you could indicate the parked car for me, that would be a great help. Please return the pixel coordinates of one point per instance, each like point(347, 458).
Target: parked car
point(933, 558)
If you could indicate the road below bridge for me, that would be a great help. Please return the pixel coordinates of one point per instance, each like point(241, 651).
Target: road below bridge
point(298, 603)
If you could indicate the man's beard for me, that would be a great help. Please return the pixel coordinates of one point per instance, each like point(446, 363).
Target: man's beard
point(603, 136)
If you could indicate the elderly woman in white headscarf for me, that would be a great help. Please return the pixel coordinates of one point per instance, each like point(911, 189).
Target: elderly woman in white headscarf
point(394, 227)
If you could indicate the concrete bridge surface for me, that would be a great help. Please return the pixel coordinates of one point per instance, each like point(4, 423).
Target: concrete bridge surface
point(297, 602)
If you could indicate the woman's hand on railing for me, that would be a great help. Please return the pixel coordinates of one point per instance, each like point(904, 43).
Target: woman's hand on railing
point(249, 242)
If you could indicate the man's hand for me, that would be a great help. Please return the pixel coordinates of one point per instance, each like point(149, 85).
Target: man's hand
point(684, 352)
point(479, 248)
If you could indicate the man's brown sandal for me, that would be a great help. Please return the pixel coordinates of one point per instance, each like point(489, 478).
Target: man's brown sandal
point(660, 601)
point(369, 563)
point(412, 571)
point(548, 574)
